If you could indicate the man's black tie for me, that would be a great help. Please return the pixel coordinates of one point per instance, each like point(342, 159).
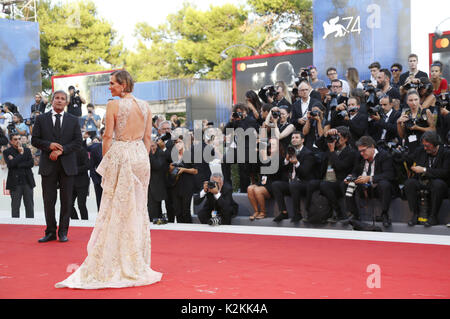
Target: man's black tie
point(58, 126)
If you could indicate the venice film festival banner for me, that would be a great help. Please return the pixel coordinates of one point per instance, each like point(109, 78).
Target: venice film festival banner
point(355, 33)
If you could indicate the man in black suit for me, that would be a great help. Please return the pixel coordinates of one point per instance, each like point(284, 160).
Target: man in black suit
point(157, 191)
point(81, 185)
point(57, 134)
point(383, 124)
point(304, 104)
point(299, 164)
point(337, 164)
point(373, 172)
point(431, 166)
point(95, 158)
point(218, 198)
point(20, 181)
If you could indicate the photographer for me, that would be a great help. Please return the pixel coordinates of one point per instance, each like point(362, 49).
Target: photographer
point(253, 104)
point(239, 119)
point(427, 98)
point(20, 181)
point(414, 121)
point(313, 128)
point(7, 116)
point(182, 172)
point(298, 163)
point(219, 198)
point(81, 185)
point(95, 158)
point(40, 103)
point(301, 107)
point(413, 73)
point(30, 121)
point(277, 124)
point(385, 88)
point(373, 174)
point(334, 98)
point(20, 126)
point(76, 101)
point(157, 191)
point(336, 166)
point(283, 96)
point(333, 75)
point(91, 122)
point(430, 164)
point(383, 120)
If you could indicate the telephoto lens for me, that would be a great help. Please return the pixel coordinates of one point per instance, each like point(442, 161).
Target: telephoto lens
point(215, 219)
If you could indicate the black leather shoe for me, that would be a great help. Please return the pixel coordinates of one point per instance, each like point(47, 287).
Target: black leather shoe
point(280, 217)
point(46, 238)
point(414, 220)
point(63, 238)
point(332, 220)
point(386, 220)
point(431, 221)
point(296, 218)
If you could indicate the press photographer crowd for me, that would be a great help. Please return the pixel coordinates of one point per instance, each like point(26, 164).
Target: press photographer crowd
point(335, 146)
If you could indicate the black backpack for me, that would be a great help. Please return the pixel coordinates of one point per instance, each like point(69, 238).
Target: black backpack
point(319, 210)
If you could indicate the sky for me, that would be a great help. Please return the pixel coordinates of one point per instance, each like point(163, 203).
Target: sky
point(123, 15)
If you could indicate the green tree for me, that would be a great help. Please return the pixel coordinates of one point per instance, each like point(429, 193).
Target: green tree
point(286, 21)
point(75, 40)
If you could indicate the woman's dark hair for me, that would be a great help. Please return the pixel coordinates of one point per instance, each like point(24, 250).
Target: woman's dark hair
point(19, 116)
point(266, 107)
point(240, 106)
point(254, 99)
point(426, 83)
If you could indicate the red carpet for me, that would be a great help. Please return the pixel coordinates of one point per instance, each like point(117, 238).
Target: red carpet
point(200, 265)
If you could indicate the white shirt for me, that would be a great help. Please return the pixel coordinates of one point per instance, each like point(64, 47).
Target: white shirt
point(216, 196)
point(383, 134)
point(54, 117)
point(304, 106)
point(372, 169)
point(345, 87)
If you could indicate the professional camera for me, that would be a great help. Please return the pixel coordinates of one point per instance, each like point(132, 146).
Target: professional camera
point(305, 73)
point(212, 185)
point(30, 121)
point(333, 102)
point(352, 110)
point(215, 219)
point(351, 185)
point(332, 138)
point(167, 136)
point(237, 115)
point(367, 85)
point(341, 115)
point(291, 151)
point(443, 101)
point(11, 129)
point(276, 114)
point(314, 113)
point(410, 123)
point(375, 110)
point(410, 85)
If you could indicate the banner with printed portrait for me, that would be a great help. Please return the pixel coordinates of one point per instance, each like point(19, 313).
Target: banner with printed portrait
point(355, 33)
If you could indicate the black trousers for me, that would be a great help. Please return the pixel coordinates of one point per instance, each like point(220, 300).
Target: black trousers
point(50, 184)
point(438, 192)
point(98, 194)
point(170, 207)
point(205, 214)
point(281, 189)
point(182, 207)
point(24, 191)
point(80, 194)
point(153, 206)
point(383, 191)
point(298, 189)
point(333, 191)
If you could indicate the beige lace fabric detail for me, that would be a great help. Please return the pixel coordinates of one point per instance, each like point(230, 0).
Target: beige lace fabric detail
point(119, 248)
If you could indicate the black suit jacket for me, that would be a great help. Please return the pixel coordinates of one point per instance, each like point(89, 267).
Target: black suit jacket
point(305, 171)
point(224, 203)
point(376, 127)
point(21, 164)
point(384, 167)
point(83, 165)
point(342, 163)
point(95, 158)
point(440, 168)
point(158, 175)
point(358, 125)
point(43, 136)
point(297, 111)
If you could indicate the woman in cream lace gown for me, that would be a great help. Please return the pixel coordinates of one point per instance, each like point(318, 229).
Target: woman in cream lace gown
point(119, 247)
